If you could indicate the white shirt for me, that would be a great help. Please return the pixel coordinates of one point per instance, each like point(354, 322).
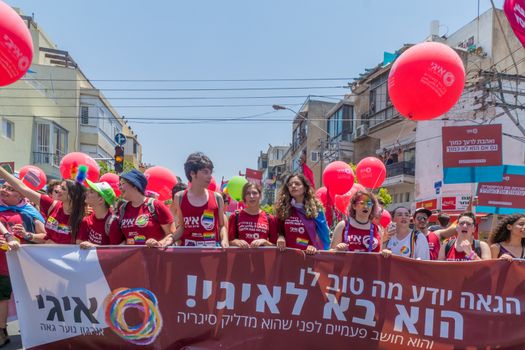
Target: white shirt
point(403, 247)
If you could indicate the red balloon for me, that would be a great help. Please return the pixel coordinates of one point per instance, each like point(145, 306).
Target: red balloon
point(213, 185)
point(426, 81)
point(161, 181)
point(338, 178)
point(386, 218)
point(356, 188)
point(113, 180)
point(342, 201)
point(33, 177)
point(371, 172)
point(514, 12)
point(16, 46)
point(322, 195)
point(71, 161)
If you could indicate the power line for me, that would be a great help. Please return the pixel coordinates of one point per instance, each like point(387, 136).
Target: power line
point(176, 98)
point(194, 80)
point(190, 89)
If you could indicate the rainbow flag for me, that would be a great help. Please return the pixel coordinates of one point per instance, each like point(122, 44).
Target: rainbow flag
point(140, 239)
point(302, 241)
point(209, 235)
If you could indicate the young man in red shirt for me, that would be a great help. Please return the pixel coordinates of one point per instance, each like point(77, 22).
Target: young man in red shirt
point(421, 216)
point(200, 210)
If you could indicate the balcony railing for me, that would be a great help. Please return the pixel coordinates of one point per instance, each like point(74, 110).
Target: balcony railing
point(401, 168)
point(383, 115)
point(52, 159)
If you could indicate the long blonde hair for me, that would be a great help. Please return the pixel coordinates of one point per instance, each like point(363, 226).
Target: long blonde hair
point(283, 204)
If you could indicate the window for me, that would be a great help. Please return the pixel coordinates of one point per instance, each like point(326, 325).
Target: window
point(407, 196)
point(135, 147)
point(84, 115)
point(314, 156)
point(51, 143)
point(340, 124)
point(8, 129)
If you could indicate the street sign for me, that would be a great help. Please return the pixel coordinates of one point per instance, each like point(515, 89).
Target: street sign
point(120, 139)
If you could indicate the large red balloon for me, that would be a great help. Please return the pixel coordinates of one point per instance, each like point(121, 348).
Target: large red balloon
point(338, 178)
point(71, 161)
point(322, 195)
point(371, 172)
point(33, 177)
point(386, 218)
point(161, 181)
point(16, 46)
point(113, 180)
point(342, 201)
point(426, 81)
point(516, 15)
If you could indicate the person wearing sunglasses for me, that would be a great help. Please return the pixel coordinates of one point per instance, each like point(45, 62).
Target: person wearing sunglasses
point(465, 247)
point(358, 233)
point(421, 216)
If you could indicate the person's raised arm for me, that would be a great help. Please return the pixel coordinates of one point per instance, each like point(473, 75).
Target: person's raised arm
point(20, 187)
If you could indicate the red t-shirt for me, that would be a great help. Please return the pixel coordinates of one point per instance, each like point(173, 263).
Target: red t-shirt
point(358, 237)
point(294, 231)
point(57, 222)
point(454, 255)
point(201, 224)
point(139, 224)
point(94, 230)
point(9, 219)
point(434, 245)
point(251, 227)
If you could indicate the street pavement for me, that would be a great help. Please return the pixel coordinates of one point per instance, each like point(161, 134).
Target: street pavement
point(13, 329)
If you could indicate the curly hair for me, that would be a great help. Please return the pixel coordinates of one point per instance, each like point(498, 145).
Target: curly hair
point(283, 204)
point(501, 233)
point(355, 198)
point(77, 197)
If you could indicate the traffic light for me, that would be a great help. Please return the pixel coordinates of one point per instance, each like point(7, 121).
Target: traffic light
point(119, 159)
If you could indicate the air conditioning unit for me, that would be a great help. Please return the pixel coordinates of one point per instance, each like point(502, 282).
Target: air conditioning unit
point(362, 130)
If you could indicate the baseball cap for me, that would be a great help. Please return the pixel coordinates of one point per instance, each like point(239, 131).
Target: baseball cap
point(425, 211)
point(104, 190)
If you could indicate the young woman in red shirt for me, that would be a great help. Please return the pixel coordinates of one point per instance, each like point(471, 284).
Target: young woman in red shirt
point(251, 226)
point(301, 220)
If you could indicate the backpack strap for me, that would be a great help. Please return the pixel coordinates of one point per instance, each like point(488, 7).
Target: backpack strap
point(108, 223)
point(448, 246)
point(345, 231)
point(151, 207)
point(477, 247)
point(122, 210)
point(51, 207)
point(413, 238)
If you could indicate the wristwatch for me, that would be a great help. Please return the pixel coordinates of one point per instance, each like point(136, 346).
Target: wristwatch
point(28, 236)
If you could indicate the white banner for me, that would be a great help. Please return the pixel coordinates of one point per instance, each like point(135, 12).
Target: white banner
point(51, 285)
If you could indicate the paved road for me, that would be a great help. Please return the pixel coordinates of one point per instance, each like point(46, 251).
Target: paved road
point(13, 330)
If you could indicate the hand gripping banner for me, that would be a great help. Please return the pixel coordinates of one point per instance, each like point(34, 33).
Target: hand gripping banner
point(193, 298)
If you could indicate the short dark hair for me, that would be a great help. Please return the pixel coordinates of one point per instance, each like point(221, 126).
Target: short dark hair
point(393, 212)
point(468, 214)
point(51, 186)
point(180, 186)
point(443, 219)
point(195, 162)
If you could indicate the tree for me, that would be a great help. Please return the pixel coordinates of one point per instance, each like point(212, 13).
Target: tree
point(268, 208)
point(105, 167)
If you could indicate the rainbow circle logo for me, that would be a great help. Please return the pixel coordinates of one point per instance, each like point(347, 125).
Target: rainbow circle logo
point(404, 250)
point(145, 302)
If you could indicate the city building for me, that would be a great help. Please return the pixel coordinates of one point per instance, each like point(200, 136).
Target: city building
point(55, 109)
point(272, 164)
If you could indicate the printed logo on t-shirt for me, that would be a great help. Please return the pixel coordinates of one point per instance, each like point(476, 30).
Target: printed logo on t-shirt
point(53, 224)
point(140, 239)
point(209, 235)
point(192, 243)
point(207, 219)
point(130, 241)
point(142, 220)
point(366, 241)
point(404, 250)
point(302, 241)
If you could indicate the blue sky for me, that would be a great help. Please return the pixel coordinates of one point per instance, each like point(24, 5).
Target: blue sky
point(228, 40)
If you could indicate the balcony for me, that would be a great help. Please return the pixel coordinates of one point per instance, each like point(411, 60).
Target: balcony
point(400, 173)
point(52, 159)
point(381, 118)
